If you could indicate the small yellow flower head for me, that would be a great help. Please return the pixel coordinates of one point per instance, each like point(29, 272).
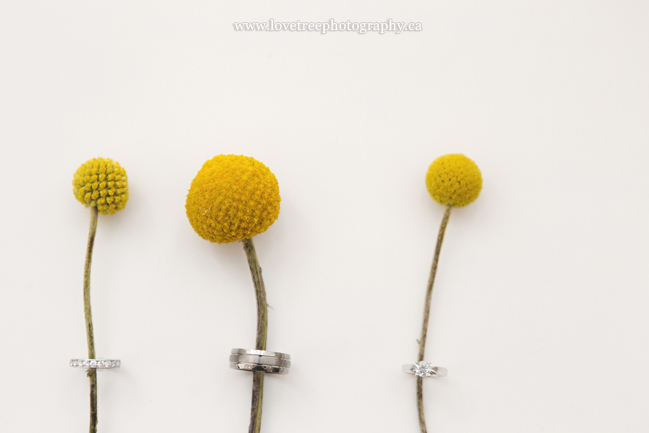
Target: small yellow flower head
point(232, 198)
point(454, 180)
point(101, 182)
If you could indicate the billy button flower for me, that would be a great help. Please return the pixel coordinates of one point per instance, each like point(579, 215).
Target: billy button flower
point(233, 198)
point(453, 181)
point(102, 185)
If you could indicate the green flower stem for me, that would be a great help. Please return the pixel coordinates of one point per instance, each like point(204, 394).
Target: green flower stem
point(92, 373)
point(262, 331)
point(424, 328)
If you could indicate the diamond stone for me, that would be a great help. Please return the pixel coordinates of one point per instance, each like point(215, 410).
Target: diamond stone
point(424, 369)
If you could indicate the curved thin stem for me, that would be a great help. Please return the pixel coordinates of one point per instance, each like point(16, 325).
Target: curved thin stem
point(424, 328)
point(90, 336)
point(262, 331)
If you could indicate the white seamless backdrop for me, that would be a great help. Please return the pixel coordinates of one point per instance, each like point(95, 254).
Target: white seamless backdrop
point(540, 306)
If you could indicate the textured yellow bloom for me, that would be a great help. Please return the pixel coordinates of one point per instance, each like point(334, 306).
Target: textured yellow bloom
point(454, 180)
point(101, 182)
point(232, 198)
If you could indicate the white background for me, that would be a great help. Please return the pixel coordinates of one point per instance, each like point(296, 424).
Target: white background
point(540, 307)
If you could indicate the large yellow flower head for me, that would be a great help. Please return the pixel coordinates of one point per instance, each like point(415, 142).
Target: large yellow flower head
point(232, 198)
point(454, 180)
point(101, 182)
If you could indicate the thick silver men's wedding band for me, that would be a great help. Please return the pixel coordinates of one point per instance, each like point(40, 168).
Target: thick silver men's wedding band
point(260, 360)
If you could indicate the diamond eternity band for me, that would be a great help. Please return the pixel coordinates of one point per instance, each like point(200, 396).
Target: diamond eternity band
point(95, 363)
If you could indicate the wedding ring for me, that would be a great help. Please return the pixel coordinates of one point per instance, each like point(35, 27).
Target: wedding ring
point(424, 369)
point(95, 363)
point(260, 360)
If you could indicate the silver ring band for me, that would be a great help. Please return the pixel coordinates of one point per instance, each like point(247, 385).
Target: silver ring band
point(424, 369)
point(256, 367)
point(260, 353)
point(95, 363)
point(260, 360)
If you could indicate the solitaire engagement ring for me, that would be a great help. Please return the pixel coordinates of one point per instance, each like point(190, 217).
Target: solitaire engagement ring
point(424, 369)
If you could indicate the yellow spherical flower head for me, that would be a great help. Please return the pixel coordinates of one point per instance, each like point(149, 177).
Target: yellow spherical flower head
point(232, 198)
point(101, 182)
point(454, 180)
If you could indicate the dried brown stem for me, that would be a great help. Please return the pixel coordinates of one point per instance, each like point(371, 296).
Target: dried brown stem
point(262, 330)
point(424, 328)
point(90, 336)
